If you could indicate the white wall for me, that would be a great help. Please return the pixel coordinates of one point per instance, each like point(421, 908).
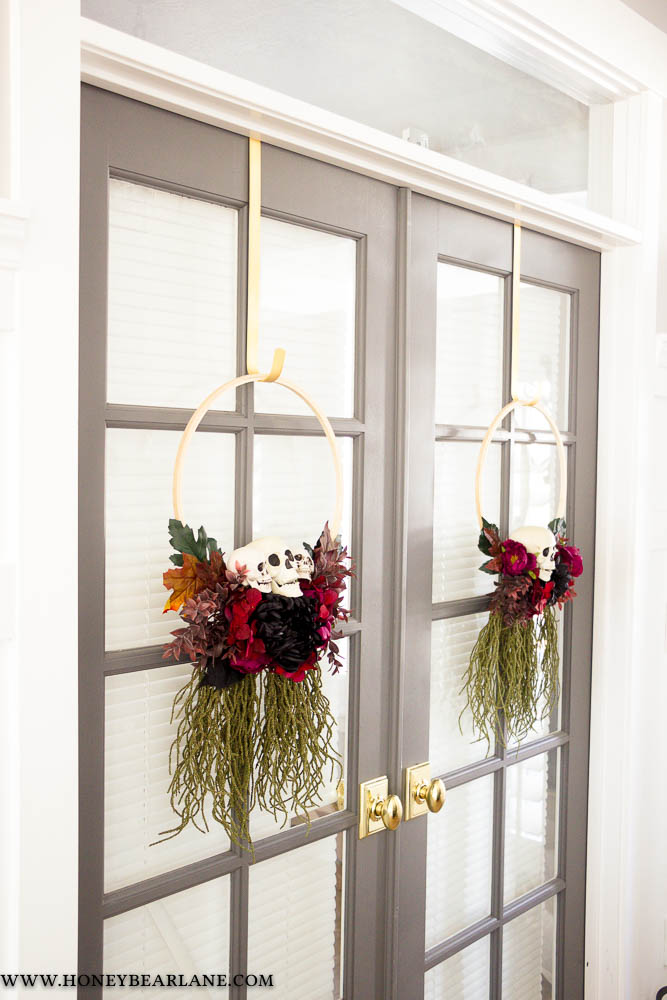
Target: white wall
point(38, 502)
point(38, 337)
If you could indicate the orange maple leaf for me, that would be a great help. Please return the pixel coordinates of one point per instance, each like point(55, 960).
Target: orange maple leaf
point(184, 582)
point(194, 575)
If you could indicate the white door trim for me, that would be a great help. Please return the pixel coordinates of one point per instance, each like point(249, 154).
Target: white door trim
point(522, 40)
point(137, 69)
point(115, 61)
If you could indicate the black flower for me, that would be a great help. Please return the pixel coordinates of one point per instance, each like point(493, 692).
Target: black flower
point(560, 578)
point(219, 674)
point(288, 626)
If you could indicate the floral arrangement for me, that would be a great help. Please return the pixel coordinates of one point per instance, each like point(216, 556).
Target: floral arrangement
point(512, 678)
point(254, 724)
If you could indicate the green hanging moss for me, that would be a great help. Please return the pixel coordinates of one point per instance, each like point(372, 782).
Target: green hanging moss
point(266, 740)
point(512, 679)
point(295, 746)
point(211, 758)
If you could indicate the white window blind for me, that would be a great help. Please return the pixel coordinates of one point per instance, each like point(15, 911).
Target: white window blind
point(458, 882)
point(528, 954)
point(139, 465)
point(308, 306)
point(469, 346)
point(138, 737)
point(183, 934)
point(172, 297)
point(456, 558)
point(544, 355)
point(464, 976)
point(531, 812)
point(451, 747)
point(294, 486)
point(295, 917)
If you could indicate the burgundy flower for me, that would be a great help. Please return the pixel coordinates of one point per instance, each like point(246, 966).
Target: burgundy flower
point(571, 556)
point(515, 558)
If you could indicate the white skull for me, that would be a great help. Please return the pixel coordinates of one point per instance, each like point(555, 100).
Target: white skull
point(254, 558)
point(303, 562)
point(281, 566)
point(542, 543)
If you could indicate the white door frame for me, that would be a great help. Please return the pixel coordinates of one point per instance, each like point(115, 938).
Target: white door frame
point(38, 220)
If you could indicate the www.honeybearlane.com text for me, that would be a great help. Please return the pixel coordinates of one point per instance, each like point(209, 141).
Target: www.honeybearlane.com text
point(132, 979)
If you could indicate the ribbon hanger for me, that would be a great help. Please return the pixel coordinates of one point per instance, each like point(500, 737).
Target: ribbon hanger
point(516, 318)
point(254, 223)
point(252, 341)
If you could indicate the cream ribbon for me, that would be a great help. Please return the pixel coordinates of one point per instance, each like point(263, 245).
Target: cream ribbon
point(252, 342)
point(500, 416)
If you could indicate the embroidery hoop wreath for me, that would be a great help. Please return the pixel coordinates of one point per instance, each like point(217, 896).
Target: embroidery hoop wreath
point(226, 755)
point(513, 675)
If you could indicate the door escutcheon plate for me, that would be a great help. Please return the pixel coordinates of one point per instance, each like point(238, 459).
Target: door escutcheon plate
point(421, 794)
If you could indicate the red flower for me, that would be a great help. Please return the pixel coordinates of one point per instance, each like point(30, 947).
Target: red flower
point(249, 655)
point(300, 673)
point(541, 594)
point(571, 556)
point(515, 558)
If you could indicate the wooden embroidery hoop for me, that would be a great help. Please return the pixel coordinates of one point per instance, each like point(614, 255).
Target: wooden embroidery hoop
point(204, 407)
point(562, 457)
point(254, 375)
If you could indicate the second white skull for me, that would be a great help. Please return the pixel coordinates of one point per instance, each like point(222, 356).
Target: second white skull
point(281, 566)
point(303, 562)
point(253, 557)
point(542, 543)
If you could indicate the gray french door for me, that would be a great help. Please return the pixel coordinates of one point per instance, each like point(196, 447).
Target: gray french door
point(164, 203)
point(395, 312)
point(503, 864)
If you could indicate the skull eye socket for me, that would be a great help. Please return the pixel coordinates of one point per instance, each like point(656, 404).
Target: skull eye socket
point(545, 552)
point(289, 554)
point(298, 557)
point(274, 559)
point(260, 566)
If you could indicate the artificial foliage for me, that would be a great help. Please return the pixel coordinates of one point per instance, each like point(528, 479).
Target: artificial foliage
point(254, 725)
point(512, 679)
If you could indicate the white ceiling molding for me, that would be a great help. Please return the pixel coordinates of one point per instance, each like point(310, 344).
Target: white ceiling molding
point(130, 66)
point(523, 41)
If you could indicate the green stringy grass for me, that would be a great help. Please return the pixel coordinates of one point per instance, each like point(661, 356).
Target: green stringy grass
point(512, 680)
point(295, 746)
point(267, 740)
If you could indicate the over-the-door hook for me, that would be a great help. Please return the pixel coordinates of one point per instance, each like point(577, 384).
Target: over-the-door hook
point(254, 221)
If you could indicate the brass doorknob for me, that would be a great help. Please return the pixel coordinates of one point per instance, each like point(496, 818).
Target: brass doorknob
point(389, 810)
point(378, 809)
point(432, 794)
point(421, 794)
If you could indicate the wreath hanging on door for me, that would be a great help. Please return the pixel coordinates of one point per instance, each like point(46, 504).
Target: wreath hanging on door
point(255, 727)
point(254, 724)
point(513, 674)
